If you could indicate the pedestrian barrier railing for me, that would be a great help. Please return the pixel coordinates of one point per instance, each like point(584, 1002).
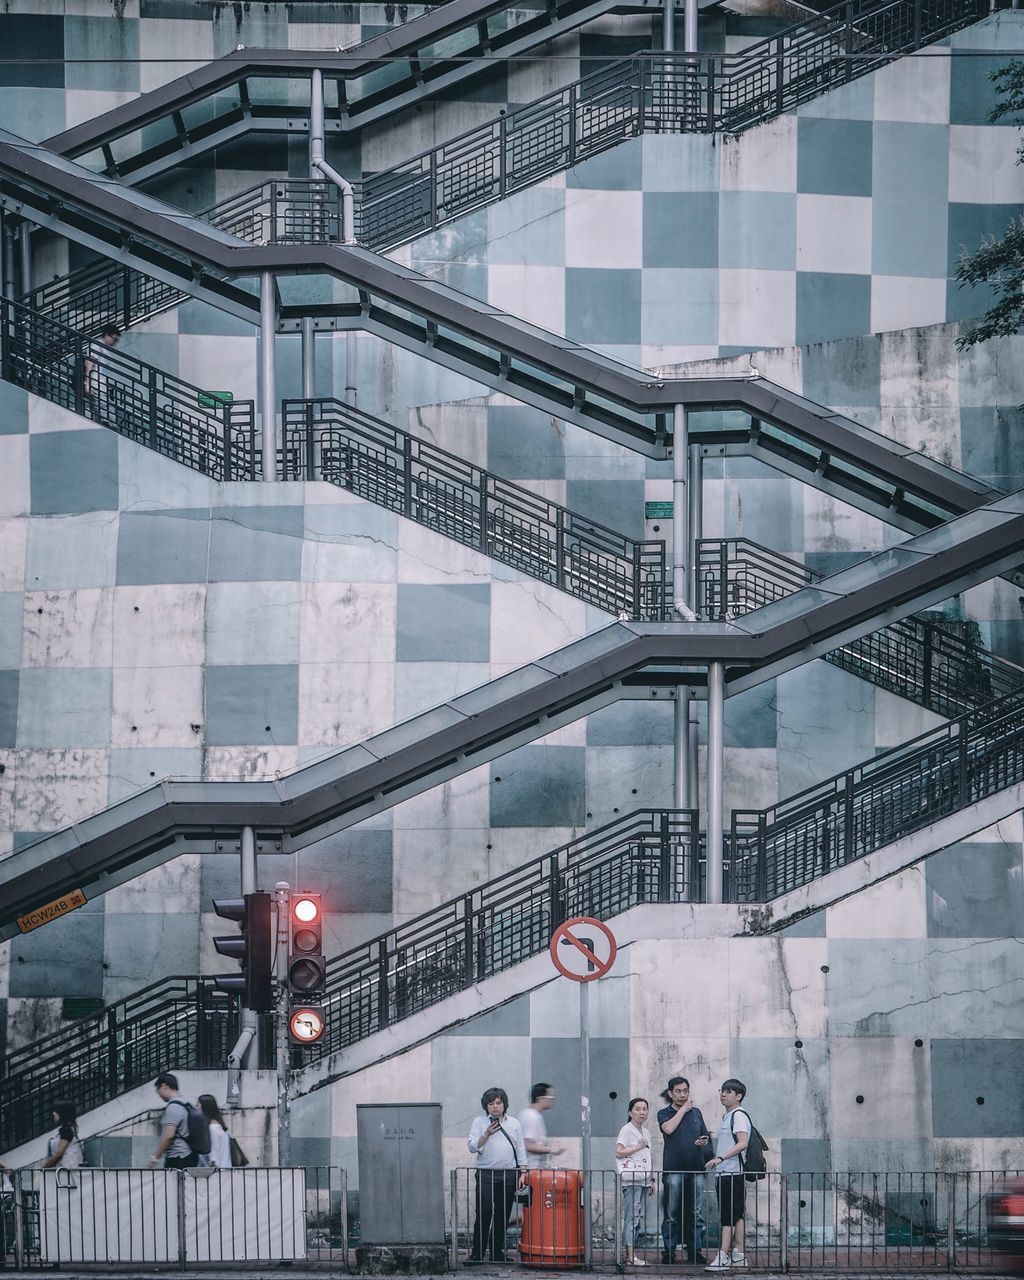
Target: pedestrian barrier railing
point(181, 1218)
point(924, 659)
point(648, 93)
point(814, 1222)
point(329, 440)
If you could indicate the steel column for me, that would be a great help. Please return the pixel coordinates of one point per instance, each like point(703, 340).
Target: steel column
point(268, 373)
point(282, 898)
point(25, 257)
point(680, 515)
point(7, 260)
point(716, 771)
point(690, 26)
point(681, 775)
point(249, 881)
point(695, 495)
point(308, 360)
point(669, 26)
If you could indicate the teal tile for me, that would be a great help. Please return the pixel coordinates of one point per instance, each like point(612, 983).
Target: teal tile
point(252, 705)
point(680, 229)
point(846, 373)
point(509, 1019)
point(13, 410)
point(64, 707)
point(680, 162)
point(992, 445)
point(32, 113)
point(617, 504)
point(102, 52)
point(133, 769)
point(830, 305)
point(834, 157)
point(353, 869)
point(812, 926)
point(751, 717)
point(73, 471)
point(447, 622)
point(528, 227)
point(237, 611)
point(970, 225)
point(200, 317)
point(972, 93)
point(63, 959)
point(790, 1104)
point(977, 1088)
point(462, 241)
point(539, 786)
point(156, 943)
point(256, 544)
point(910, 176)
point(975, 891)
point(631, 724)
point(556, 1060)
point(618, 169)
point(11, 604)
point(8, 708)
point(523, 443)
point(602, 306)
point(163, 546)
point(806, 1155)
point(680, 306)
point(757, 229)
point(38, 39)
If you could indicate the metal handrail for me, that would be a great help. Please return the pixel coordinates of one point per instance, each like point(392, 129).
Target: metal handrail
point(211, 434)
point(330, 440)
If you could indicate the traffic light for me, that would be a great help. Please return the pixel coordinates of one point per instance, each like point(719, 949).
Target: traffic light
point(252, 949)
point(307, 969)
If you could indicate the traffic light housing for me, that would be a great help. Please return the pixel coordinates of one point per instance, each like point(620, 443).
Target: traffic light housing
point(252, 948)
point(307, 969)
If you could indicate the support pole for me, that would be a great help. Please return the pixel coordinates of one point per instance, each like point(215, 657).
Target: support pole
point(680, 516)
point(716, 772)
point(7, 258)
point(669, 30)
point(308, 362)
point(268, 373)
point(282, 898)
point(25, 257)
point(681, 787)
point(690, 26)
point(695, 495)
point(249, 1031)
point(585, 1119)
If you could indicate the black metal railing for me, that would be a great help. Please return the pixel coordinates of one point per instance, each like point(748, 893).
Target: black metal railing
point(648, 93)
point(648, 856)
point(201, 429)
point(920, 658)
point(330, 440)
point(179, 1023)
point(894, 795)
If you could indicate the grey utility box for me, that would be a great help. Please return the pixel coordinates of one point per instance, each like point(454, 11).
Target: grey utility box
point(401, 1173)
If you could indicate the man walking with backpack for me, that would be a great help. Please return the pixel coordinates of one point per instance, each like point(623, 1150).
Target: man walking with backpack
point(730, 1143)
point(184, 1130)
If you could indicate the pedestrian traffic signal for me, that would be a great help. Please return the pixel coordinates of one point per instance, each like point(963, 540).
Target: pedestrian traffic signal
point(252, 949)
point(307, 969)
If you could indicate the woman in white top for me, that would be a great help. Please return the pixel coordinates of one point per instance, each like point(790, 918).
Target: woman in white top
point(220, 1139)
point(496, 1140)
point(64, 1150)
point(633, 1161)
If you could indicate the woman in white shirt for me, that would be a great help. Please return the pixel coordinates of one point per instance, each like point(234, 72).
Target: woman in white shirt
point(496, 1140)
point(633, 1161)
point(220, 1139)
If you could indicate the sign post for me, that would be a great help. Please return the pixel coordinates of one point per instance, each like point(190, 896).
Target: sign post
point(583, 949)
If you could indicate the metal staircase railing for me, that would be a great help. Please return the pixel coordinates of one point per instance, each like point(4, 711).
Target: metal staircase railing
point(329, 440)
point(649, 93)
point(651, 856)
point(923, 659)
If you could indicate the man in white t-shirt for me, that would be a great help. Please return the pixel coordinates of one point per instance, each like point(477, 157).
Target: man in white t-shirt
point(539, 1149)
point(730, 1144)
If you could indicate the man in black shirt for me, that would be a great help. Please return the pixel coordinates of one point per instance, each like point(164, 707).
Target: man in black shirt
point(686, 1152)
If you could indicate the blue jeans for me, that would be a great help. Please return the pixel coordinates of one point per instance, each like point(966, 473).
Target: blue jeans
point(682, 1206)
point(634, 1205)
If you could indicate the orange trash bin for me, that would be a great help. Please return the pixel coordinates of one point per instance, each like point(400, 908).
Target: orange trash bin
point(552, 1233)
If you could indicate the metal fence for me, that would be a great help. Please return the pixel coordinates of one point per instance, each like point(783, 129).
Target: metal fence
point(900, 1221)
point(329, 440)
point(205, 431)
point(175, 1218)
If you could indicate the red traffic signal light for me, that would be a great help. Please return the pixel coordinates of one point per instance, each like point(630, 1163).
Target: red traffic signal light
point(307, 969)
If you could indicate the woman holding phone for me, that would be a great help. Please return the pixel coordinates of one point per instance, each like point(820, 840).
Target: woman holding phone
point(496, 1140)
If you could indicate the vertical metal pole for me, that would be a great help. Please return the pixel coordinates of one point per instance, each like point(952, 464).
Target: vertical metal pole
point(308, 359)
point(585, 1116)
point(268, 374)
point(681, 598)
point(453, 1255)
point(716, 769)
point(249, 884)
point(25, 257)
point(690, 26)
point(19, 1218)
point(316, 123)
point(695, 496)
point(282, 897)
point(669, 31)
point(681, 749)
point(179, 1192)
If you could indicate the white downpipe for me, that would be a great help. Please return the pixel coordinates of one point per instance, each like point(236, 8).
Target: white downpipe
point(680, 516)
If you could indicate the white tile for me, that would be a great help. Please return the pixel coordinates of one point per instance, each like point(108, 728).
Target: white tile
point(13, 541)
point(169, 48)
point(428, 869)
point(868, 1068)
point(462, 803)
point(906, 302)
point(983, 166)
point(428, 557)
point(603, 228)
point(245, 764)
point(757, 308)
point(72, 628)
point(529, 619)
point(348, 622)
point(39, 805)
point(894, 908)
point(344, 702)
point(159, 625)
point(763, 159)
point(914, 89)
point(156, 707)
point(532, 293)
point(833, 233)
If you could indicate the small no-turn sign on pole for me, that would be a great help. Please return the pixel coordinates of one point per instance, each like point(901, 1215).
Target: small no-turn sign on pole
point(583, 950)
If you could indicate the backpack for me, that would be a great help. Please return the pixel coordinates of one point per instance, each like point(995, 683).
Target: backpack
point(755, 1167)
point(197, 1135)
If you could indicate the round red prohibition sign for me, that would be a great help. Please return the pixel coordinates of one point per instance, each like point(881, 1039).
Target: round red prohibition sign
point(583, 949)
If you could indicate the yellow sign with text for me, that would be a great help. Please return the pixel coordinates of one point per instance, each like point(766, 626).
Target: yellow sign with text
point(51, 910)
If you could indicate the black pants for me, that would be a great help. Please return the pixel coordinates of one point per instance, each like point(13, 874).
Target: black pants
point(495, 1195)
point(181, 1162)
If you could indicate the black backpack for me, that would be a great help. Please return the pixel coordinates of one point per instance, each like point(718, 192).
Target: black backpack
point(198, 1135)
point(755, 1167)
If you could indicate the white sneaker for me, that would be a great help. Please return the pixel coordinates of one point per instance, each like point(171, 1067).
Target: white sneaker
point(638, 1262)
point(720, 1262)
point(739, 1259)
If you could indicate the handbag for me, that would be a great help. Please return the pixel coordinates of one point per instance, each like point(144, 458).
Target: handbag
point(238, 1157)
point(524, 1195)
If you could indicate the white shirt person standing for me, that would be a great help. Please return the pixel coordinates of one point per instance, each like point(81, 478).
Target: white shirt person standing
point(539, 1149)
point(496, 1140)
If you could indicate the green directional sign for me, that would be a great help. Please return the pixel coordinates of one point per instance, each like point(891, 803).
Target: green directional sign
point(658, 510)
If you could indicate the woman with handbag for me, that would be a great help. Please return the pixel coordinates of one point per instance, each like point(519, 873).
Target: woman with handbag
point(496, 1140)
point(220, 1139)
point(633, 1162)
